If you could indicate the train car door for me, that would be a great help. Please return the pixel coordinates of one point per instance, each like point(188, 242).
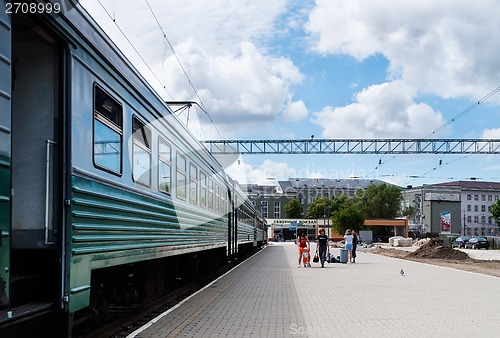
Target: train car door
point(5, 155)
point(37, 176)
point(230, 248)
point(235, 223)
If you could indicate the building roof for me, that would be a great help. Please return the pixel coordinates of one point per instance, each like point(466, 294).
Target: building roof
point(287, 187)
point(470, 185)
point(352, 183)
point(293, 185)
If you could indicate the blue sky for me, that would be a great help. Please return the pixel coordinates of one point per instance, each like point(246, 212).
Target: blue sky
point(330, 68)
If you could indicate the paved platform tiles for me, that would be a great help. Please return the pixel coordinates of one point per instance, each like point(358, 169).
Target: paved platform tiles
point(268, 296)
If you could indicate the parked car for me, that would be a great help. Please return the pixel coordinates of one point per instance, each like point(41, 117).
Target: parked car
point(460, 242)
point(477, 243)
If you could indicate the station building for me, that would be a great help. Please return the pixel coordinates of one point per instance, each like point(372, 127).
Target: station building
point(271, 200)
point(454, 208)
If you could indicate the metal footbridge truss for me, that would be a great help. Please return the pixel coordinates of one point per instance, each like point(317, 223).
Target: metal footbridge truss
point(355, 146)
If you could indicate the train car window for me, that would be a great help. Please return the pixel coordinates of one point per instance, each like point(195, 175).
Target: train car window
point(181, 176)
point(223, 201)
point(164, 165)
point(203, 189)
point(108, 132)
point(210, 193)
point(141, 153)
point(193, 184)
point(217, 198)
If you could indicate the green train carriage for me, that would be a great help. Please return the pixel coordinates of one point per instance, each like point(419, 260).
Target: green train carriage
point(100, 184)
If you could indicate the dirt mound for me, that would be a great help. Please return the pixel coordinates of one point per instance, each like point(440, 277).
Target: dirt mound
point(434, 249)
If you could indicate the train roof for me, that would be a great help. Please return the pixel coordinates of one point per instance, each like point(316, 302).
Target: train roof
point(90, 31)
point(94, 36)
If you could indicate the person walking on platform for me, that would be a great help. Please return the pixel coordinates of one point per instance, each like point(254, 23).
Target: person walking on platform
point(348, 243)
point(354, 245)
point(304, 246)
point(322, 246)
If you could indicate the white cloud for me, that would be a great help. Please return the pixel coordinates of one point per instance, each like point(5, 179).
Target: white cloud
point(240, 85)
point(444, 47)
point(216, 25)
point(491, 133)
point(380, 111)
point(295, 111)
point(240, 91)
point(265, 173)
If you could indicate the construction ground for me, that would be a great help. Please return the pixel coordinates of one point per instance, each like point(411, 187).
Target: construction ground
point(432, 251)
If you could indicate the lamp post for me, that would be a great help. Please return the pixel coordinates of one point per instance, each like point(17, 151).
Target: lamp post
point(465, 226)
point(324, 210)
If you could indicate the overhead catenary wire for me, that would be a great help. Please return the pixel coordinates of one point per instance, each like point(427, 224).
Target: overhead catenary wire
point(464, 112)
point(135, 49)
point(440, 166)
point(201, 105)
point(149, 68)
point(449, 122)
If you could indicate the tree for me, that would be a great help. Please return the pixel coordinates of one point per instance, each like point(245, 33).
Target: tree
point(319, 208)
point(495, 211)
point(381, 201)
point(409, 211)
point(293, 209)
point(348, 217)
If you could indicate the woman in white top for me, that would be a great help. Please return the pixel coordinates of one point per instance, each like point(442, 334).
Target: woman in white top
point(348, 243)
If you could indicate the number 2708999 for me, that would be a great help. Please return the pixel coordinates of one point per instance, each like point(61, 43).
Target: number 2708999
point(31, 8)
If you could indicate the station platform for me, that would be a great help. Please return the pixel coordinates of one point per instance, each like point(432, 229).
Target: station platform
point(269, 296)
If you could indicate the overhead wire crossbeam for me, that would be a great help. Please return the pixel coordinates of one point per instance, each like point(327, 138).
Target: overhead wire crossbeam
point(355, 146)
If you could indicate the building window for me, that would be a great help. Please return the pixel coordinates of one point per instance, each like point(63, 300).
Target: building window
point(490, 198)
point(181, 176)
point(469, 197)
point(277, 209)
point(483, 208)
point(483, 197)
point(469, 207)
point(476, 219)
point(141, 153)
point(476, 197)
point(263, 209)
point(164, 165)
point(469, 219)
point(476, 208)
point(108, 132)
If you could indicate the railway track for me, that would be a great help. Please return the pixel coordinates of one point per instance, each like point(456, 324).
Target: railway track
point(133, 318)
